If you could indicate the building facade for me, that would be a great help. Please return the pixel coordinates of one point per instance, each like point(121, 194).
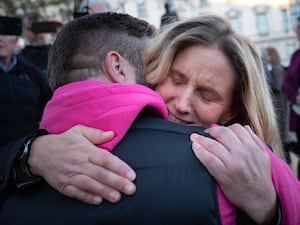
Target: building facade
point(269, 23)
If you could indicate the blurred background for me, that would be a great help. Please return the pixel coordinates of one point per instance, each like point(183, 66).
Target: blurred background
point(266, 22)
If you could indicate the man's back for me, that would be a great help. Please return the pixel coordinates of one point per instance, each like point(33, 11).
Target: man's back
point(173, 187)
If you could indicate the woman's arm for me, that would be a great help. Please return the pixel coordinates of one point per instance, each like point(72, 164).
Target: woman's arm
point(238, 161)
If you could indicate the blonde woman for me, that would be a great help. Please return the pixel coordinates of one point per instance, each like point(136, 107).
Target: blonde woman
point(207, 74)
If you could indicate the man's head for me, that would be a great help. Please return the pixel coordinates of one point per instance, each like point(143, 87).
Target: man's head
point(32, 38)
point(94, 6)
point(105, 46)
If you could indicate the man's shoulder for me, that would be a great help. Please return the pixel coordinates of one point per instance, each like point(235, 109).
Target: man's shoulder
point(153, 142)
point(162, 125)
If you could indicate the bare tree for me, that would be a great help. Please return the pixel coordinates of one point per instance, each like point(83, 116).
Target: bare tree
point(49, 8)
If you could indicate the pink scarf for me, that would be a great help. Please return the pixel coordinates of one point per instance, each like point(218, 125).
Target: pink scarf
point(100, 105)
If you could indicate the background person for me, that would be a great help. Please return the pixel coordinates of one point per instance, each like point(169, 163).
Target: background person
point(24, 93)
point(169, 16)
point(291, 88)
point(279, 97)
point(36, 44)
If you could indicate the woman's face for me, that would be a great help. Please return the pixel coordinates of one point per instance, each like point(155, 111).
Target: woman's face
point(199, 87)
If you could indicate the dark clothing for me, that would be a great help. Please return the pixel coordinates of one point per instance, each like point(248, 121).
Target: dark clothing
point(173, 187)
point(36, 55)
point(280, 100)
point(23, 94)
point(291, 86)
point(267, 72)
point(168, 18)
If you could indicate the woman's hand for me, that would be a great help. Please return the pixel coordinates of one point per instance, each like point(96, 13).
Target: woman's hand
point(241, 166)
point(72, 164)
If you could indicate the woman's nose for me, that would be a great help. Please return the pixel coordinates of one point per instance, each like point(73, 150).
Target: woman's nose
point(183, 103)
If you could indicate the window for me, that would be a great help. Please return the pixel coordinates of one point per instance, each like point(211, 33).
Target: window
point(262, 51)
point(291, 47)
point(285, 22)
point(234, 21)
point(172, 5)
point(262, 23)
point(295, 13)
point(142, 9)
point(203, 3)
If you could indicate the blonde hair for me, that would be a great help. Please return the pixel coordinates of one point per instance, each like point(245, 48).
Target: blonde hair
point(252, 99)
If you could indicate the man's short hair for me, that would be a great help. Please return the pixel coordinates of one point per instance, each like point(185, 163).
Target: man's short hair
point(80, 48)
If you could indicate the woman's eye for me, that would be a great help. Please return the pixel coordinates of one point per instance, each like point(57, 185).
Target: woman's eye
point(205, 96)
point(176, 80)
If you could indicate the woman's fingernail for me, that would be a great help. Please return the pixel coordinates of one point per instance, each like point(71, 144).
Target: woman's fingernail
point(97, 200)
point(195, 146)
point(131, 175)
point(129, 189)
point(215, 125)
point(114, 196)
point(193, 137)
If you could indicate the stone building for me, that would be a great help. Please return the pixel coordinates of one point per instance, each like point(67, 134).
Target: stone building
point(269, 23)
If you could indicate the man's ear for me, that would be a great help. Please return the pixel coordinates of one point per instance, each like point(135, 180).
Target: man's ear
point(117, 67)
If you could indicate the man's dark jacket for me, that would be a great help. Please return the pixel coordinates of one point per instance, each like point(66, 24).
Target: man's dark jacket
point(173, 187)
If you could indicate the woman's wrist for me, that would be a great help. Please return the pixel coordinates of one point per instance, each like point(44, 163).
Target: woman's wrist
point(264, 209)
point(277, 217)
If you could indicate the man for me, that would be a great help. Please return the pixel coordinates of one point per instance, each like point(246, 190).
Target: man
point(291, 88)
point(169, 16)
point(24, 93)
point(36, 46)
point(173, 187)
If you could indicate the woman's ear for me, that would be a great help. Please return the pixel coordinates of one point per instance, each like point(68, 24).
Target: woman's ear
point(118, 69)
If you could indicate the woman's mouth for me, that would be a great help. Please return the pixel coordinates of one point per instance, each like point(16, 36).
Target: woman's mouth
point(175, 119)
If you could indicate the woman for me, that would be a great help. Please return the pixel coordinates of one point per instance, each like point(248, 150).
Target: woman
point(279, 97)
point(207, 74)
point(253, 106)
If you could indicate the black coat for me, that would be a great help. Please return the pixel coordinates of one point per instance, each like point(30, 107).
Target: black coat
point(24, 91)
point(173, 187)
point(36, 55)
